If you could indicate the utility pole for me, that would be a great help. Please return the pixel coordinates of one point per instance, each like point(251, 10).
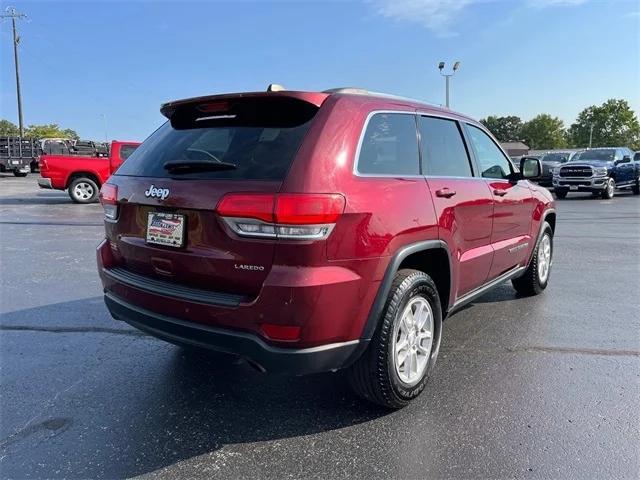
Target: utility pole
point(447, 77)
point(13, 14)
point(590, 135)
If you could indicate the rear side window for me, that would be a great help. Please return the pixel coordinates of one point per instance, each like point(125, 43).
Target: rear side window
point(491, 160)
point(250, 139)
point(126, 151)
point(443, 150)
point(390, 145)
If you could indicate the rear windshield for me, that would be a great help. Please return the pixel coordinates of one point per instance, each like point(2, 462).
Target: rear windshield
point(258, 139)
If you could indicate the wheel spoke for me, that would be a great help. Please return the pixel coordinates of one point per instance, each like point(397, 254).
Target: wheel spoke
point(414, 362)
point(424, 316)
point(402, 358)
point(402, 345)
point(406, 320)
point(423, 349)
point(424, 334)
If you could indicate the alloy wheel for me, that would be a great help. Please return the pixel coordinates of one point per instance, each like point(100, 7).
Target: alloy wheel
point(413, 341)
point(83, 190)
point(544, 258)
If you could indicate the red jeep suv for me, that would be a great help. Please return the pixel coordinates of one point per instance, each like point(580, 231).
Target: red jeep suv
point(317, 231)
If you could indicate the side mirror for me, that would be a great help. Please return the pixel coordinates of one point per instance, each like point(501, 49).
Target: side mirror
point(530, 167)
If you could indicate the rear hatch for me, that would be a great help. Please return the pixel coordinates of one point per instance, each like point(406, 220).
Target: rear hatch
point(166, 226)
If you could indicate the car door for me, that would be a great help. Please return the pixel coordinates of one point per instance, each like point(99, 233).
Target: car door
point(625, 168)
point(463, 201)
point(511, 235)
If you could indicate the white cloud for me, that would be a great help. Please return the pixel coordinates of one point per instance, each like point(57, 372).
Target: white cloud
point(555, 3)
point(439, 15)
point(436, 15)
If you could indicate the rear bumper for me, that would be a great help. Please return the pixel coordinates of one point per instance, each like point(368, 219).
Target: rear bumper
point(272, 359)
point(44, 183)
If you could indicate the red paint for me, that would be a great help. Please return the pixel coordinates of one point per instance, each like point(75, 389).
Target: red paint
point(322, 290)
point(61, 168)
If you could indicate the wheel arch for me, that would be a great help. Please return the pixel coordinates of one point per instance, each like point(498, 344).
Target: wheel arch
point(83, 174)
point(431, 257)
point(549, 216)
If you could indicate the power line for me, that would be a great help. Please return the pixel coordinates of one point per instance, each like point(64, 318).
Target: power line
point(13, 14)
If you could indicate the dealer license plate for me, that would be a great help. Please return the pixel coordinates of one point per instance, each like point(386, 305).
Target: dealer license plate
point(165, 229)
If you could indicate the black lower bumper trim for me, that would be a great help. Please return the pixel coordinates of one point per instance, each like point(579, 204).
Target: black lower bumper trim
point(272, 359)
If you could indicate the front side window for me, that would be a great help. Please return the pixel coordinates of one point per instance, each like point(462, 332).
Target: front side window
point(491, 160)
point(390, 145)
point(443, 150)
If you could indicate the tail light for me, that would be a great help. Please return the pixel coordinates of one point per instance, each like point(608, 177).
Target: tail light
point(298, 216)
point(42, 164)
point(108, 199)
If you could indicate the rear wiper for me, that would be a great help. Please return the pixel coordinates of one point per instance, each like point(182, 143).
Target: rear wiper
point(186, 166)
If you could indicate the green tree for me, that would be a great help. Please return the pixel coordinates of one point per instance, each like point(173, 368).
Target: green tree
point(614, 125)
point(544, 132)
point(51, 130)
point(72, 134)
point(8, 128)
point(505, 129)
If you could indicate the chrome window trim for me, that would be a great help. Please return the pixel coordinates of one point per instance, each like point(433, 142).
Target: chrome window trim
point(416, 113)
point(356, 159)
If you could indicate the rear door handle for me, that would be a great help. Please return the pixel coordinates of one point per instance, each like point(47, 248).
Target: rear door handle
point(445, 192)
point(500, 193)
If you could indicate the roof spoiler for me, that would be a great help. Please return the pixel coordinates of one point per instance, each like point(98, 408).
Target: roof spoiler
point(273, 91)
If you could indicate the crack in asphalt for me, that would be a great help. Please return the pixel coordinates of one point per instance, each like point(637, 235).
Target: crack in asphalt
point(116, 331)
point(540, 349)
point(62, 224)
point(53, 425)
point(523, 349)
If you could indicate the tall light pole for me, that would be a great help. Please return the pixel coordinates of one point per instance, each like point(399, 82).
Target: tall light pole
point(590, 135)
point(13, 14)
point(447, 77)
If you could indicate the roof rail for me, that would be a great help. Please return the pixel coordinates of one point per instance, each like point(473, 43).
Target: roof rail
point(362, 91)
point(352, 90)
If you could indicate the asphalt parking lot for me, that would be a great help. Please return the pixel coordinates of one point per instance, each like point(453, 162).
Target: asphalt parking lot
point(543, 387)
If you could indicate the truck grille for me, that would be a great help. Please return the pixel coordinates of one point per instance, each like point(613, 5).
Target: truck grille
point(576, 171)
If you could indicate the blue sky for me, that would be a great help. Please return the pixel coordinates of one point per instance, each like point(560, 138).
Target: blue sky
point(82, 59)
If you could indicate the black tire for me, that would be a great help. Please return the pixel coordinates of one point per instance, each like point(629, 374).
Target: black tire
point(560, 194)
point(636, 188)
point(609, 192)
point(373, 376)
point(19, 174)
point(530, 283)
point(83, 190)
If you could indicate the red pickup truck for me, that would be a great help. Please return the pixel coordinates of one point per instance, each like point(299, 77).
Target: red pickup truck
point(82, 176)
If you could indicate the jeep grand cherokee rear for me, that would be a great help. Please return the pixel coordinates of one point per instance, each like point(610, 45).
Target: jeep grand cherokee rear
point(309, 232)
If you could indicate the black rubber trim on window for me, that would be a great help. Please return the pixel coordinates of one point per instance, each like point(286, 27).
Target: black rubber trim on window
point(162, 287)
